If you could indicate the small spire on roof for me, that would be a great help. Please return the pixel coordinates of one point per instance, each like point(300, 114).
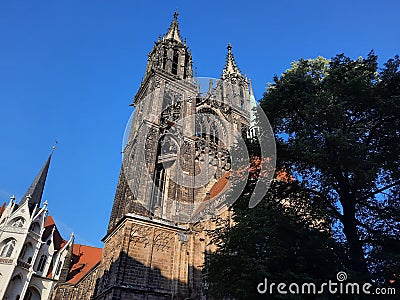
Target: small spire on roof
point(34, 193)
point(173, 31)
point(231, 67)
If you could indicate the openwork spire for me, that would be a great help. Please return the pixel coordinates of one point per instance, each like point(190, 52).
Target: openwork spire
point(231, 69)
point(173, 31)
point(35, 191)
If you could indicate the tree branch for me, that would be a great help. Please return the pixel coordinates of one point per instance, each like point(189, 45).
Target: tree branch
point(373, 193)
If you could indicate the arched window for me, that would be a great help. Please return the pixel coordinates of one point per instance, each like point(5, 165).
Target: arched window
point(18, 222)
point(26, 253)
point(42, 263)
point(7, 248)
point(35, 227)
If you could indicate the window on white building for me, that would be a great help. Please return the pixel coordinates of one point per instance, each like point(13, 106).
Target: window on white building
point(42, 263)
point(7, 248)
point(35, 227)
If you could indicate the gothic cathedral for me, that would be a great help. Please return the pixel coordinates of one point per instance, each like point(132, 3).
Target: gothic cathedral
point(156, 243)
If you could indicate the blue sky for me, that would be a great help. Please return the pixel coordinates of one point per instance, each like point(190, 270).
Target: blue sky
point(69, 70)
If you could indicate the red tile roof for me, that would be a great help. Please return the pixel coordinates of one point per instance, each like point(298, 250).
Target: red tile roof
point(49, 224)
point(84, 259)
point(216, 190)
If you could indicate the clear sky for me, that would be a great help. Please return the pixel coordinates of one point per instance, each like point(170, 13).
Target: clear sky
point(69, 70)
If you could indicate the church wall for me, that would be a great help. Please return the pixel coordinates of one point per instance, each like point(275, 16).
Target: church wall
point(148, 257)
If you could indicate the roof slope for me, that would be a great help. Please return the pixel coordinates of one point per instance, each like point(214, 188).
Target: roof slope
point(84, 259)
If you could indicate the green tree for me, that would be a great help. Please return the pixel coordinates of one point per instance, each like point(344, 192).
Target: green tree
point(285, 238)
point(337, 130)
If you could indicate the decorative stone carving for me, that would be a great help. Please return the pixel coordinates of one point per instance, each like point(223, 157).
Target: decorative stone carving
point(140, 234)
point(162, 240)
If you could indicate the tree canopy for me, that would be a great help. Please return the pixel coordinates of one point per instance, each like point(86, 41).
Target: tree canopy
point(337, 130)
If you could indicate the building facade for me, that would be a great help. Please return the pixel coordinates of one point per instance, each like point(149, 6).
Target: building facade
point(34, 257)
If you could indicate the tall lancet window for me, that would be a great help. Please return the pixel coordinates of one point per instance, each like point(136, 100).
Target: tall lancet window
point(158, 190)
point(175, 63)
point(185, 71)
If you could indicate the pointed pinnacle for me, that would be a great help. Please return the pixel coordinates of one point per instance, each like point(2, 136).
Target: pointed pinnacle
point(231, 67)
point(173, 30)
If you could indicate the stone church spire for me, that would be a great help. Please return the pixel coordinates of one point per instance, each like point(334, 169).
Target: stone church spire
point(170, 58)
point(35, 191)
point(173, 31)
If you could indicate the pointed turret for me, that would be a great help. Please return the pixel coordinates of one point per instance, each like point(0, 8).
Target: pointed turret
point(253, 105)
point(173, 31)
point(253, 129)
point(35, 191)
point(231, 69)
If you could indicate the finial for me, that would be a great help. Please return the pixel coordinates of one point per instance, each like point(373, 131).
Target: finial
point(12, 198)
point(54, 147)
point(229, 47)
point(176, 15)
point(29, 196)
point(45, 203)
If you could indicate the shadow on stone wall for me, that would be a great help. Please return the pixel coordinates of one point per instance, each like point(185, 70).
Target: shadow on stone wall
point(127, 278)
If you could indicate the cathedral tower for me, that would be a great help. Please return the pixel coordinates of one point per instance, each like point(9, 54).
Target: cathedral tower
point(176, 162)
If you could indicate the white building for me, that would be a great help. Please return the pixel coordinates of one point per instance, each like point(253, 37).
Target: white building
point(32, 251)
